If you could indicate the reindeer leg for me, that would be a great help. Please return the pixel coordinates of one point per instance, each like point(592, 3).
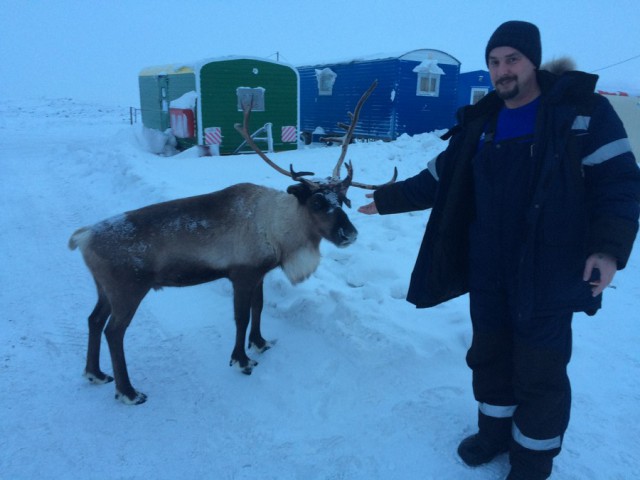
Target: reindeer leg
point(97, 321)
point(121, 316)
point(255, 336)
point(243, 290)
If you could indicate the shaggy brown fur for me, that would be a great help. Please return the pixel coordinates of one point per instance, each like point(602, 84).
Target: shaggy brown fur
point(559, 66)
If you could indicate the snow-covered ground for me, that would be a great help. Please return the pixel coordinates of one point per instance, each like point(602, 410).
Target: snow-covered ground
point(360, 384)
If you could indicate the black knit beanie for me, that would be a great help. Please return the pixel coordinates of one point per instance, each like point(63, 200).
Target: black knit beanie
point(523, 36)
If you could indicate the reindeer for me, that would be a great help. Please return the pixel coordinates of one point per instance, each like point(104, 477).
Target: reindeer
point(241, 233)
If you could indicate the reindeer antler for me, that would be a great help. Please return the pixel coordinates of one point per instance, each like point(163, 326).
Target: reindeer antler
point(345, 141)
point(243, 130)
point(368, 186)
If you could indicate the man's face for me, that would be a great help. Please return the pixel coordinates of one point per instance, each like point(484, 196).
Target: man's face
point(512, 74)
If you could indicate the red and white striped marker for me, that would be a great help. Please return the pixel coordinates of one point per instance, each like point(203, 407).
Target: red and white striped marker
point(288, 134)
point(213, 136)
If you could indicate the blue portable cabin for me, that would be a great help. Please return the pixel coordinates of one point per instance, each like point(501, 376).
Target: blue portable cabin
point(472, 86)
point(416, 93)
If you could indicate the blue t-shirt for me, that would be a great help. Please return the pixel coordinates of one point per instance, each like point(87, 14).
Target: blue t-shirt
point(516, 122)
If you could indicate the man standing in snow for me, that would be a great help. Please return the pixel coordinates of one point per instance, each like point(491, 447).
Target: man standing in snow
point(535, 206)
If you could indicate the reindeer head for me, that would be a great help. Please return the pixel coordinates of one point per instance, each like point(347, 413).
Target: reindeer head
point(323, 202)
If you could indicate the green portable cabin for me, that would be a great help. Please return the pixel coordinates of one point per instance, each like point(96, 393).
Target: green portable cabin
point(201, 102)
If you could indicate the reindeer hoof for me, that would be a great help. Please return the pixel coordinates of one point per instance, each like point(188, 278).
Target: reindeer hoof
point(98, 378)
point(138, 398)
point(265, 345)
point(246, 369)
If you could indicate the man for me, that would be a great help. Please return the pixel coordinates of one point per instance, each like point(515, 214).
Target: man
point(535, 206)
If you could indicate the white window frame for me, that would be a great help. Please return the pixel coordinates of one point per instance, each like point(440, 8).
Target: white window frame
point(253, 96)
point(326, 80)
point(428, 85)
point(475, 91)
point(428, 82)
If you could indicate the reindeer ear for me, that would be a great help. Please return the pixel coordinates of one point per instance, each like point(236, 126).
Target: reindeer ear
point(300, 190)
point(343, 187)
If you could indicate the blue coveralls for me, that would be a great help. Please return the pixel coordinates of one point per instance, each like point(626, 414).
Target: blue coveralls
point(519, 366)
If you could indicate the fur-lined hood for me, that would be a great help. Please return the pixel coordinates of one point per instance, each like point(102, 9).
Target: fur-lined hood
point(559, 66)
point(559, 80)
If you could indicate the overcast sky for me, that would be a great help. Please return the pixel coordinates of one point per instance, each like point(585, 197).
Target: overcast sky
point(95, 50)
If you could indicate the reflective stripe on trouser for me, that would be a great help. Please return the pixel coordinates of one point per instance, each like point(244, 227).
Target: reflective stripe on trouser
point(534, 444)
point(507, 411)
point(497, 411)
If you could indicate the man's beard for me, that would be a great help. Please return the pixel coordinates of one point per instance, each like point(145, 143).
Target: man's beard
point(508, 94)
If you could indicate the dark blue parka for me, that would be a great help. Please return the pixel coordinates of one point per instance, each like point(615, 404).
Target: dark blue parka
point(584, 198)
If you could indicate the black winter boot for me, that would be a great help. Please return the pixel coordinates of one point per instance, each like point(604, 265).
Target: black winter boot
point(530, 464)
point(476, 450)
point(491, 440)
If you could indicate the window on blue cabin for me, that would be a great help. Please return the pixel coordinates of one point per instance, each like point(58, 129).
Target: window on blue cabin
point(429, 74)
point(428, 85)
point(326, 79)
point(477, 93)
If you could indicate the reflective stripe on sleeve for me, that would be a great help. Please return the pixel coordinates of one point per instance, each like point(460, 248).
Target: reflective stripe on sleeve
point(431, 166)
point(497, 411)
point(607, 152)
point(532, 443)
point(581, 122)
